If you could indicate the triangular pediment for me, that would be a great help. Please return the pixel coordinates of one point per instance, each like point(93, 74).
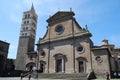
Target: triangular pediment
point(60, 15)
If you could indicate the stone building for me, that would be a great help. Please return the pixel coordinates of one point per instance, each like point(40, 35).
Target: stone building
point(25, 54)
point(4, 47)
point(65, 48)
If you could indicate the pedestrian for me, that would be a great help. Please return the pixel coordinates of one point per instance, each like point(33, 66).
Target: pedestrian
point(21, 76)
point(107, 75)
point(29, 77)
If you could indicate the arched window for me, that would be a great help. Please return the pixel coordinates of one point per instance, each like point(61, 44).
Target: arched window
point(28, 15)
point(23, 28)
point(24, 22)
point(26, 28)
point(25, 34)
point(27, 22)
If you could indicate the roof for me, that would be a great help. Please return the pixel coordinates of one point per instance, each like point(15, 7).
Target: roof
point(61, 14)
point(4, 42)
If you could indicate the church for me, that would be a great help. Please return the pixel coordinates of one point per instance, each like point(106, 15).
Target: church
point(66, 47)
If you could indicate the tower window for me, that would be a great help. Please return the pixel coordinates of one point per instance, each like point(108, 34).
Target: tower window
point(31, 57)
point(23, 29)
point(27, 22)
point(25, 34)
point(25, 16)
point(22, 34)
point(26, 28)
point(24, 22)
point(28, 15)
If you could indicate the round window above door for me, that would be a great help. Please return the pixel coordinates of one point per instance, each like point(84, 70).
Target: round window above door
point(59, 29)
point(80, 49)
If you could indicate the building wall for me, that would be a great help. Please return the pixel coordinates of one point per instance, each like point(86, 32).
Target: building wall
point(65, 47)
point(4, 47)
point(101, 65)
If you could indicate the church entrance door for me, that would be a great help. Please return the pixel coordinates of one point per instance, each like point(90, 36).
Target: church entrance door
point(59, 65)
point(81, 66)
point(42, 68)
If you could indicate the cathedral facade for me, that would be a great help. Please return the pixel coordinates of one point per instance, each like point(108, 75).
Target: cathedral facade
point(65, 48)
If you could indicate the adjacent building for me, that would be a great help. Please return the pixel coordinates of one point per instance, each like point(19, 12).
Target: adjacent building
point(4, 48)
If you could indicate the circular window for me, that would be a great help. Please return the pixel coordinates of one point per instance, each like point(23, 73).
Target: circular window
point(98, 59)
point(80, 49)
point(59, 29)
point(43, 54)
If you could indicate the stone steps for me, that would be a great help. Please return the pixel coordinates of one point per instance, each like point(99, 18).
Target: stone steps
point(82, 76)
point(18, 78)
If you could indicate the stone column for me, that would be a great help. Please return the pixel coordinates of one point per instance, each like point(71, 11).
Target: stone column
point(62, 64)
point(54, 65)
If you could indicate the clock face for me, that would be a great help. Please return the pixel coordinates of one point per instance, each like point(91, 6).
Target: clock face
point(59, 29)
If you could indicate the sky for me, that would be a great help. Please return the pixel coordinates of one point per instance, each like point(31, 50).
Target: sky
point(101, 16)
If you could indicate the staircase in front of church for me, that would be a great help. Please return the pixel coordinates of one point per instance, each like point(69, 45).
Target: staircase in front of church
point(80, 76)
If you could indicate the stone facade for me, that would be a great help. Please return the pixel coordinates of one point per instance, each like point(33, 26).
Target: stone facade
point(65, 48)
point(4, 47)
point(27, 41)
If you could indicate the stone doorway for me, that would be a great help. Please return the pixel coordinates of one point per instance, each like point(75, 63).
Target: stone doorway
point(81, 66)
point(59, 65)
point(42, 66)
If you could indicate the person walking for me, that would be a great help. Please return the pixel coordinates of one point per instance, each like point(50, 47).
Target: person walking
point(21, 76)
point(29, 77)
point(107, 76)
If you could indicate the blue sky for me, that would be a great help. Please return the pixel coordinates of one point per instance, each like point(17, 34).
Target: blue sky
point(101, 16)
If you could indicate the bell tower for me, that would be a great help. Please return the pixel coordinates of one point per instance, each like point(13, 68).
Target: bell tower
point(26, 38)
